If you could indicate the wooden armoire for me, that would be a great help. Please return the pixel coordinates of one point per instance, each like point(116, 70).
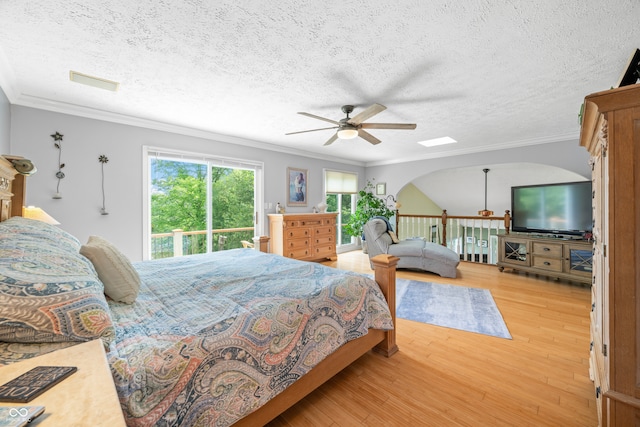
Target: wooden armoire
point(611, 133)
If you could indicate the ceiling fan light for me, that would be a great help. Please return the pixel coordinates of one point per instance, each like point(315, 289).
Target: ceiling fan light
point(347, 133)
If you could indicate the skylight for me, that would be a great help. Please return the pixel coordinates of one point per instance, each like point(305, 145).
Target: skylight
point(438, 141)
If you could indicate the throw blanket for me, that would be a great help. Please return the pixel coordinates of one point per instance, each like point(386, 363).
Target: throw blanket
point(213, 337)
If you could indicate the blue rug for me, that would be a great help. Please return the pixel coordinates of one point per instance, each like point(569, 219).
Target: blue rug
point(451, 306)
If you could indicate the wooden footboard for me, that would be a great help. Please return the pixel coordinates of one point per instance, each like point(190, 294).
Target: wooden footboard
point(383, 342)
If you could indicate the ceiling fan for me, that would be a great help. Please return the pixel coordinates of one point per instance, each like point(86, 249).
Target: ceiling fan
point(352, 127)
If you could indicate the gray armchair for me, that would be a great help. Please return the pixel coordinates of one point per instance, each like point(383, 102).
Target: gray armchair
point(413, 253)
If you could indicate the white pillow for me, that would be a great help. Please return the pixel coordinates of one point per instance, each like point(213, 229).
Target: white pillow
point(120, 279)
point(394, 238)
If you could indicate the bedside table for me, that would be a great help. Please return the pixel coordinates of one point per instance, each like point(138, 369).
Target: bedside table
point(86, 398)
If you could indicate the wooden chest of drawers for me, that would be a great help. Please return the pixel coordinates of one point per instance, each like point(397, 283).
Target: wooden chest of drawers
point(306, 236)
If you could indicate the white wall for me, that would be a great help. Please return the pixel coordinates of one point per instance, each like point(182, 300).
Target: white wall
point(85, 139)
point(5, 123)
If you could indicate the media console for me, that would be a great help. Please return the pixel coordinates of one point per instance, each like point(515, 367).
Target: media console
point(550, 256)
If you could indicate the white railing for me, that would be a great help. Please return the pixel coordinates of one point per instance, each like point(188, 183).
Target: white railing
point(180, 242)
point(473, 238)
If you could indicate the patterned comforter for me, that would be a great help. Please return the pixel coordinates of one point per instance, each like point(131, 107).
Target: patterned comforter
point(213, 337)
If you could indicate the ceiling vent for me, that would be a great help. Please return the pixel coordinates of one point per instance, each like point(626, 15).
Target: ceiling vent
point(85, 79)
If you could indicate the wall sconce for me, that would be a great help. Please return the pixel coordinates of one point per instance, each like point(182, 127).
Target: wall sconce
point(38, 214)
point(23, 166)
point(392, 203)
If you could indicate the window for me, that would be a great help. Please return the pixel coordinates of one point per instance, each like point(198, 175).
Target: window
point(198, 203)
point(341, 189)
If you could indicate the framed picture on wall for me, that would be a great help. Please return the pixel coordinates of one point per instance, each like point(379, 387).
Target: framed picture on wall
point(381, 189)
point(296, 187)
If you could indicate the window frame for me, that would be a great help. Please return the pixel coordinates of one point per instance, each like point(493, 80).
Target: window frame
point(210, 160)
point(354, 245)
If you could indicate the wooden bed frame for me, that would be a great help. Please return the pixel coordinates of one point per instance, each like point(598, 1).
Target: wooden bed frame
point(12, 198)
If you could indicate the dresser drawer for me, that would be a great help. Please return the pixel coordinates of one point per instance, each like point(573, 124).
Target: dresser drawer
point(297, 243)
point(326, 250)
point(323, 240)
point(551, 264)
point(551, 250)
point(329, 221)
point(311, 222)
point(327, 230)
point(297, 253)
point(297, 233)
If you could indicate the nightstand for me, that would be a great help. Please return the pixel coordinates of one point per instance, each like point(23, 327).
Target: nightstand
point(86, 398)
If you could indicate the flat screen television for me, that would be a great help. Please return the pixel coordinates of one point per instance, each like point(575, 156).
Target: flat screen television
point(558, 209)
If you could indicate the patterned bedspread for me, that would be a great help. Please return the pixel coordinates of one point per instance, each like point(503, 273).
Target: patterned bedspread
point(212, 337)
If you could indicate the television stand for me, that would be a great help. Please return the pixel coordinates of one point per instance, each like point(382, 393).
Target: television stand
point(548, 256)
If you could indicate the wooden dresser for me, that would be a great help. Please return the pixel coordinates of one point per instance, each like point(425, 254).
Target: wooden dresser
point(306, 236)
point(611, 133)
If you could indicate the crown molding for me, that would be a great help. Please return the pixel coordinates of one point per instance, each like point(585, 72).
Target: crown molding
point(97, 114)
point(108, 116)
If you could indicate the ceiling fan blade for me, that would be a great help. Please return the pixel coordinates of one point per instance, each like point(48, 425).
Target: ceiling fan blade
point(332, 139)
point(368, 137)
point(366, 113)
point(313, 116)
point(310, 130)
point(388, 125)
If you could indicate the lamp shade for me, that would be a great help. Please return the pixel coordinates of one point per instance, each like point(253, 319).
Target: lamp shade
point(38, 214)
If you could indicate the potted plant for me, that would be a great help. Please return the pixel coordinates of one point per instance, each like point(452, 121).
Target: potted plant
point(367, 206)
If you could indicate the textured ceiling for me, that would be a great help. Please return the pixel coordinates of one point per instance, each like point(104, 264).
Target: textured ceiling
point(490, 74)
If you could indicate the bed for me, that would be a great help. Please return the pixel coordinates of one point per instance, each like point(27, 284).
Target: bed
point(231, 338)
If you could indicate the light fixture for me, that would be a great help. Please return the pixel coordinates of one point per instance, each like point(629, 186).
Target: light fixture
point(23, 166)
point(347, 132)
point(98, 82)
point(485, 212)
point(38, 214)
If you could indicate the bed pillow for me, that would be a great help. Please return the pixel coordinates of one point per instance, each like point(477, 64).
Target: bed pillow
point(120, 279)
point(49, 293)
point(41, 230)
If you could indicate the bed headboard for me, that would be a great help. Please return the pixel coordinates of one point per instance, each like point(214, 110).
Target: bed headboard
point(12, 190)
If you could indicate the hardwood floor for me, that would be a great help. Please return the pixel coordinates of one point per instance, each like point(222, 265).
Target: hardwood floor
point(446, 377)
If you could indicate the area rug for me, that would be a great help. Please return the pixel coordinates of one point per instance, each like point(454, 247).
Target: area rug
point(451, 306)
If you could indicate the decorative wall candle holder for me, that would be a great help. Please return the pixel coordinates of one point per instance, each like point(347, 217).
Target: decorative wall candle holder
point(57, 142)
point(103, 159)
